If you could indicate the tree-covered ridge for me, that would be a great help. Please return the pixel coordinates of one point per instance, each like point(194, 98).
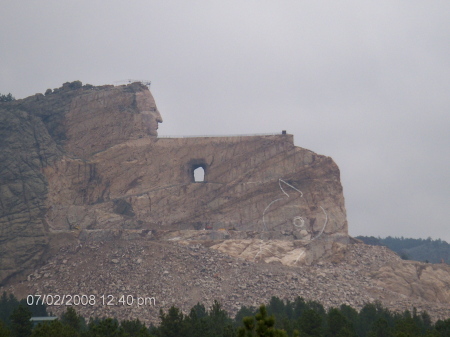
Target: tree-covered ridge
point(8, 303)
point(278, 318)
point(6, 98)
point(424, 250)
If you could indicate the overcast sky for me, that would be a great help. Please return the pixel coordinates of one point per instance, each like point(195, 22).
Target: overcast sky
point(364, 82)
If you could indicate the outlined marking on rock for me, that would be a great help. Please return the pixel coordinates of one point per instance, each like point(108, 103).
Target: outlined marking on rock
point(297, 218)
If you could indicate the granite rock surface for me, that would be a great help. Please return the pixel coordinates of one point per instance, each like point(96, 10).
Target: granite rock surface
point(85, 158)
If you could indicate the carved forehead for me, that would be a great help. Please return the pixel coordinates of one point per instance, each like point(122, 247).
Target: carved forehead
point(145, 102)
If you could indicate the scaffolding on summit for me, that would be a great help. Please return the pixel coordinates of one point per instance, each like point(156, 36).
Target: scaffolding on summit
point(145, 82)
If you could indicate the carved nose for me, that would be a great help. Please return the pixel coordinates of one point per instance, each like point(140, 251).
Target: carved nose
point(158, 117)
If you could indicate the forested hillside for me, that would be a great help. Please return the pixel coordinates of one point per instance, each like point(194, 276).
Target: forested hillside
point(424, 250)
point(279, 318)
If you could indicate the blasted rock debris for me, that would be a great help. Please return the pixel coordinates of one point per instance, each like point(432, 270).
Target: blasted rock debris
point(182, 275)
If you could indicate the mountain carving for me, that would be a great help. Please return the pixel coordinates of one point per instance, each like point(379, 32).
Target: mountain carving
point(83, 165)
point(88, 158)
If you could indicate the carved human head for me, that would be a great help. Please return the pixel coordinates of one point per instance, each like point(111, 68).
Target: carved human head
point(150, 115)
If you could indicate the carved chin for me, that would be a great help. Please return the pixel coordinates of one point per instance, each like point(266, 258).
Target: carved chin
point(152, 131)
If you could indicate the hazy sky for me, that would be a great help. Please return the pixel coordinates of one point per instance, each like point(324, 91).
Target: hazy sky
point(364, 82)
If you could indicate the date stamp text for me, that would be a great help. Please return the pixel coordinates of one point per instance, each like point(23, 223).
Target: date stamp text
point(91, 300)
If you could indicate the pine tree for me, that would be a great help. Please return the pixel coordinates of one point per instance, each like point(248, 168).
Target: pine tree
point(220, 323)
point(171, 323)
point(196, 321)
point(4, 331)
point(443, 327)
point(134, 328)
point(7, 306)
point(338, 324)
point(72, 319)
point(264, 326)
point(407, 325)
point(54, 329)
point(310, 323)
point(106, 327)
point(6, 98)
point(21, 325)
point(242, 313)
point(380, 328)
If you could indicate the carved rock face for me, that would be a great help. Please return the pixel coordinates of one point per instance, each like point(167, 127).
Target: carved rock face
point(150, 122)
point(150, 115)
point(100, 118)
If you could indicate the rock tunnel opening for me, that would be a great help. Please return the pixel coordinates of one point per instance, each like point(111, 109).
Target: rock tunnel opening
point(198, 170)
point(199, 174)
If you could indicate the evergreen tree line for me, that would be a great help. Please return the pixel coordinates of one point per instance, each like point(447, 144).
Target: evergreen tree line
point(9, 303)
point(6, 98)
point(298, 318)
point(423, 250)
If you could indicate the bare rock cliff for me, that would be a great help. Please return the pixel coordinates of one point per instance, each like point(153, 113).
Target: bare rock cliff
point(37, 133)
point(26, 147)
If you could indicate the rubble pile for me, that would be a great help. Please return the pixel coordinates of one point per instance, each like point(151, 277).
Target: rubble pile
point(182, 275)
